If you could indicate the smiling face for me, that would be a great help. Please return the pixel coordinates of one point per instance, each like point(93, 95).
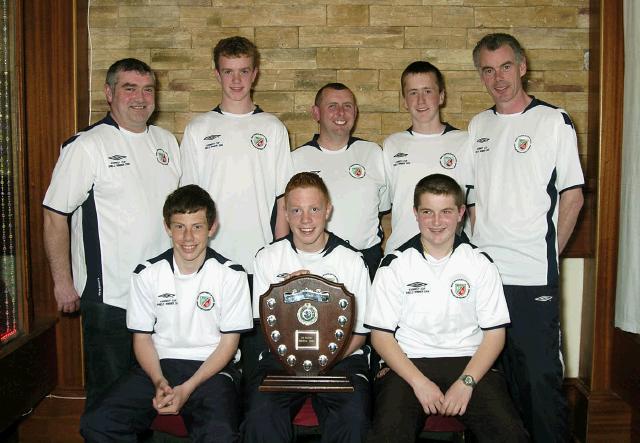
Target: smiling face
point(190, 234)
point(236, 76)
point(423, 98)
point(336, 113)
point(502, 75)
point(307, 212)
point(438, 218)
point(132, 100)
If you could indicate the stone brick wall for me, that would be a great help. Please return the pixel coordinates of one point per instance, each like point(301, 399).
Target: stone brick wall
point(363, 43)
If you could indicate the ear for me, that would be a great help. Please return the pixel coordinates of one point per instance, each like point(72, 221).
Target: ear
point(108, 93)
point(523, 66)
point(167, 229)
point(315, 113)
point(213, 229)
point(442, 96)
point(329, 210)
point(461, 210)
point(254, 75)
point(415, 213)
point(217, 75)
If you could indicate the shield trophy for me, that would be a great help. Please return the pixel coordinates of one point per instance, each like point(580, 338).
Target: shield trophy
point(307, 322)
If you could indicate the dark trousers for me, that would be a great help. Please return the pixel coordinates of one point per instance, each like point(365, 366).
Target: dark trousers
point(343, 417)
point(399, 416)
point(107, 346)
point(532, 361)
point(372, 257)
point(211, 414)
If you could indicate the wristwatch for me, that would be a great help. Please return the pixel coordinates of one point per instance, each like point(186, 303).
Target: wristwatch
point(468, 380)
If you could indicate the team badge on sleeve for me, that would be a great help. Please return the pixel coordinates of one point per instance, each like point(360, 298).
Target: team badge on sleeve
point(448, 161)
point(460, 288)
point(522, 143)
point(258, 141)
point(162, 156)
point(357, 171)
point(205, 301)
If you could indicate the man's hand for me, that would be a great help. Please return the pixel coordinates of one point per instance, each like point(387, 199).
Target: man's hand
point(456, 399)
point(67, 298)
point(164, 396)
point(429, 395)
point(174, 401)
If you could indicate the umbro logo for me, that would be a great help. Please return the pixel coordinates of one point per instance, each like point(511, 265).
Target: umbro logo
point(482, 140)
point(416, 284)
point(211, 137)
point(166, 295)
point(400, 155)
point(315, 172)
point(117, 161)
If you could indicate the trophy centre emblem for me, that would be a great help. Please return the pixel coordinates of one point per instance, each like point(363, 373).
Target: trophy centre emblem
point(307, 314)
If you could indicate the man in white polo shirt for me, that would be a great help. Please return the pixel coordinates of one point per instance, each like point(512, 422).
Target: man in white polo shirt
point(309, 248)
point(429, 146)
point(352, 169)
point(240, 155)
point(437, 315)
point(111, 180)
point(528, 194)
point(187, 309)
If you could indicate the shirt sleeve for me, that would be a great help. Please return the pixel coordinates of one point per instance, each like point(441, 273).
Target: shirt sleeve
point(491, 306)
point(73, 177)
point(284, 163)
point(567, 157)
point(386, 161)
point(360, 287)
point(261, 281)
point(141, 316)
point(384, 191)
point(470, 171)
point(384, 304)
point(236, 306)
point(189, 157)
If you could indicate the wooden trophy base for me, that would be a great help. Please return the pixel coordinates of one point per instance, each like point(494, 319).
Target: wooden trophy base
point(315, 383)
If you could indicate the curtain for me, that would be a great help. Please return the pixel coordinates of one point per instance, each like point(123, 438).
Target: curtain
point(628, 288)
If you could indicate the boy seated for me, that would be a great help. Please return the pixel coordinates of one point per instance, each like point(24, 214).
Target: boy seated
point(187, 308)
point(438, 314)
point(309, 248)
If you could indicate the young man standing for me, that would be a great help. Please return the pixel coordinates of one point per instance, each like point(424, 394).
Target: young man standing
point(187, 309)
point(352, 169)
point(241, 156)
point(309, 248)
point(528, 193)
point(110, 181)
point(429, 146)
point(437, 315)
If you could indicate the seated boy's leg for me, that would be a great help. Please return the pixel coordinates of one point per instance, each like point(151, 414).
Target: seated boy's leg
point(398, 415)
point(268, 415)
point(212, 413)
point(491, 415)
point(346, 417)
point(123, 412)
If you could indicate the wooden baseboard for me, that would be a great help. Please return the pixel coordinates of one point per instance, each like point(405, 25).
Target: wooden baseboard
point(54, 420)
point(597, 416)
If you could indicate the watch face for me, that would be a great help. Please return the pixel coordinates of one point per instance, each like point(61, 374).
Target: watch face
point(468, 380)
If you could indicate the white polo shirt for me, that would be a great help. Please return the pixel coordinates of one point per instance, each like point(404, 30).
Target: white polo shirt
point(522, 162)
point(244, 162)
point(113, 183)
point(410, 156)
point(338, 262)
point(437, 308)
point(357, 186)
point(186, 314)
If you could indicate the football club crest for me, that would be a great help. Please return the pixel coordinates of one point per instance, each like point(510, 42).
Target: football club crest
point(460, 288)
point(205, 301)
point(357, 171)
point(522, 143)
point(162, 156)
point(448, 161)
point(258, 141)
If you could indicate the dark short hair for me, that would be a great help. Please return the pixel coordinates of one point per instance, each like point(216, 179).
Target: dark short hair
point(125, 65)
point(493, 42)
point(307, 180)
point(438, 184)
point(421, 67)
point(234, 47)
point(335, 86)
point(187, 200)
